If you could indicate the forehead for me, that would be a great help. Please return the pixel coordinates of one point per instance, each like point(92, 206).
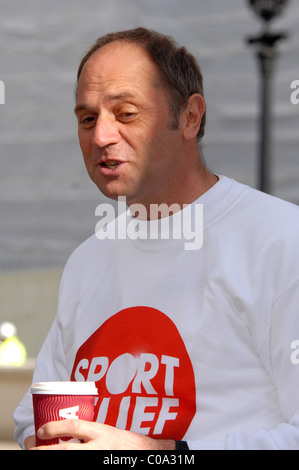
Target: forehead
point(118, 64)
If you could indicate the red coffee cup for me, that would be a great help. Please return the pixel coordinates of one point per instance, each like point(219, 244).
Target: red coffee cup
point(54, 401)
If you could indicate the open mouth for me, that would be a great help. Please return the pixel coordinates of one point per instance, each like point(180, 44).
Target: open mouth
point(112, 164)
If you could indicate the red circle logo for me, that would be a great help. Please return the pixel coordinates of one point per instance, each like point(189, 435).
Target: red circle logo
point(143, 373)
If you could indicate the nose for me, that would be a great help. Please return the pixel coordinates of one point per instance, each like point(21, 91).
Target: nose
point(105, 132)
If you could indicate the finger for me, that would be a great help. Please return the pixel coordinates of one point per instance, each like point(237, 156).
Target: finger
point(76, 428)
point(62, 446)
point(29, 442)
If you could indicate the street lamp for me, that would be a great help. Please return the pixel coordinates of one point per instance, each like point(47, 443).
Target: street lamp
point(266, 53)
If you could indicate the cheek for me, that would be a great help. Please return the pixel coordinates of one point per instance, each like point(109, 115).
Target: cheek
point(84, 142)
point(148, 137)
point(85, 147)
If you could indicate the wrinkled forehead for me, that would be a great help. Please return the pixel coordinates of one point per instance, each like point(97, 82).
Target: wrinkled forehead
point(119, 63)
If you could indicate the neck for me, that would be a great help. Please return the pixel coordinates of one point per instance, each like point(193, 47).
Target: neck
point(194, 183)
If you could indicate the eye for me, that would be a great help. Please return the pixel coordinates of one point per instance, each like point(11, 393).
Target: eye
point(87, 121)
point(125, 113)
point(126, 117)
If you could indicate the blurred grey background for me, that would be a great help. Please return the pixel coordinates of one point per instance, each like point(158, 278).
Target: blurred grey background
point(47, 201)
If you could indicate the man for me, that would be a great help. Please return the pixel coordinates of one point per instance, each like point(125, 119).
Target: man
point(187, 347)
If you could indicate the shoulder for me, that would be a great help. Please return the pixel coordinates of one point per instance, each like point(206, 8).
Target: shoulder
point(267, 228)
point(98, 250)
point(264, 210)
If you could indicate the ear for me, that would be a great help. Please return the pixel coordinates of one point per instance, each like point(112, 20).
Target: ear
point(192, 116)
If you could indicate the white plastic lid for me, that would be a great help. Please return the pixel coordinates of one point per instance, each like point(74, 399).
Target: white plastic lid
point(64, 388)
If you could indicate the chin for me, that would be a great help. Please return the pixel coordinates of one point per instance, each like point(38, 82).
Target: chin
point(114, 189)
point(110, 193)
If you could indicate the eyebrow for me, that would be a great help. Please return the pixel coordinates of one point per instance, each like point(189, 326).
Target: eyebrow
point(113, 97)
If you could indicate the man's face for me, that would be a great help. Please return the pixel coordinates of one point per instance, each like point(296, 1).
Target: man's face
point(124, 128)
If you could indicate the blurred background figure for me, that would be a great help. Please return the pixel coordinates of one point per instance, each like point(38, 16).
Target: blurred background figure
point(12, 351)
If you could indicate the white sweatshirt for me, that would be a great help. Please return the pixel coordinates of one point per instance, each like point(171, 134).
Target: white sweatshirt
point(200, 345)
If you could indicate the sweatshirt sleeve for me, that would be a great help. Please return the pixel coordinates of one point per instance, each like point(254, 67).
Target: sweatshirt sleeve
point(50, 366)
point(280, 356)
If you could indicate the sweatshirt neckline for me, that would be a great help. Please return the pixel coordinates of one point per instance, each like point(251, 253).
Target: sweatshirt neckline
point(169, 231)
